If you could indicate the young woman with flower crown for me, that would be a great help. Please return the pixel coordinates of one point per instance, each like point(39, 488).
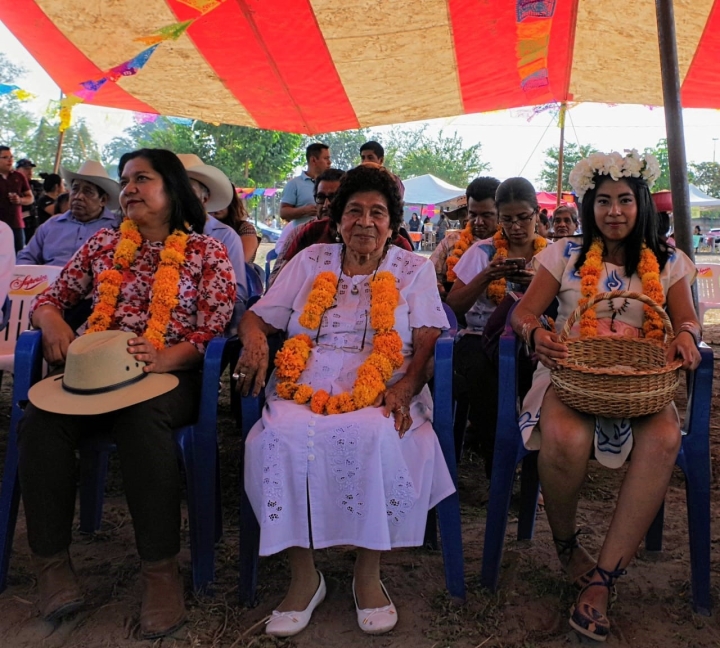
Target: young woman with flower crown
point(345, 453)
point(159, 278)
point(619, 249)
point(483, 280)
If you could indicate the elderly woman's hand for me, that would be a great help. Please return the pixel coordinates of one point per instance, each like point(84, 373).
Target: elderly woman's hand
point(548, 348)
point(252, 366)
point(395, 400)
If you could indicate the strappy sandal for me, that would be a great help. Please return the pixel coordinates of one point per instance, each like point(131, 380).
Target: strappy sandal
point(588, 620)
point(580, 576)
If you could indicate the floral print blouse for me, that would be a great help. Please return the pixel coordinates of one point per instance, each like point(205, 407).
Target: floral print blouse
point(206, 295)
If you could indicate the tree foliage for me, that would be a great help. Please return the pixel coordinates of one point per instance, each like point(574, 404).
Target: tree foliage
point(572, 154)
point(248, 156)
point(706, 176)
point(660, 151)
point(16, 123)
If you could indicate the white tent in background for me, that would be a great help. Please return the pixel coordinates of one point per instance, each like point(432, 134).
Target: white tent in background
point(429, 190)
point(701, 199)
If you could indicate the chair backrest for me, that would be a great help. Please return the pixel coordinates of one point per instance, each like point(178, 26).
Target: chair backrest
point(271, 256)
point(27, 282)
point(451, 318)
point(708, 282)
point(255, 286)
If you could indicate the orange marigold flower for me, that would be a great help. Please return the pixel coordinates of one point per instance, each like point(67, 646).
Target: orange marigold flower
point(286, 390)
point(319, 401)
point(333, 406)
point(303, 394)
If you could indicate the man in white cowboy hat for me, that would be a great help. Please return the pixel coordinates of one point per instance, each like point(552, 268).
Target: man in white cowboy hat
point(215, 191)
point(92, 195)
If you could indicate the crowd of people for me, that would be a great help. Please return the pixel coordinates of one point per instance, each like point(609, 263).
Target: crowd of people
point(154, 267)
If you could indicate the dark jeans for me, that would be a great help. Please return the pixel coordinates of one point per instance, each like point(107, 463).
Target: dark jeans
point(18, 238)
point(148, 461)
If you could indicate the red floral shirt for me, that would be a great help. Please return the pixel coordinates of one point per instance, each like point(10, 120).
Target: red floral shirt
point(206, 295)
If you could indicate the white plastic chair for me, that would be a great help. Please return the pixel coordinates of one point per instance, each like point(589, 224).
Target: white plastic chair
point(27, 282)
point(708, 281)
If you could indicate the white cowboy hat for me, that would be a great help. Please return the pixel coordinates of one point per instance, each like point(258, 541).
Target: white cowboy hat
point(100, 376)
point(217, 183)
point(93, 171)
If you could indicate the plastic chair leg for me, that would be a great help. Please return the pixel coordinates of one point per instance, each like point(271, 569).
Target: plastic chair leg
point(448, 514)
point(93, 473)
point(431, 541)
point(200, 472)
point(698, 508)
point(653, 537)
point(529, 489)
point(462, 408)
point(9, 504)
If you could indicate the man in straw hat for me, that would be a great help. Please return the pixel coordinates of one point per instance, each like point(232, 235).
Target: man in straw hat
point(92, 195)
point(215, 191)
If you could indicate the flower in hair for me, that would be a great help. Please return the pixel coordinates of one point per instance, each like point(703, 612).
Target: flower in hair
point(614, 165)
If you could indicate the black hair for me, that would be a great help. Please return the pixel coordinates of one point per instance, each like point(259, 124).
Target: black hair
point(663, 225)
point(369, 178)
point(645, 229)
point(375, 147)
point(315, 150)
point(50, 181)
point(516, 190)
point(329, 175)
point(62, 201)
point(482, 188)
point(185, 206)
point(4, 148)
point(543, 217)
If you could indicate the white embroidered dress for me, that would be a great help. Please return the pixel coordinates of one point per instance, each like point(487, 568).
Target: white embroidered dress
point(613, 437)
point(346, 479)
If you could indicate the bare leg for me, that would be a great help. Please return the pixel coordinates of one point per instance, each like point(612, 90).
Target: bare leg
point(367, 580)
point(656, 444)
point(304, 580)
point(567, 440)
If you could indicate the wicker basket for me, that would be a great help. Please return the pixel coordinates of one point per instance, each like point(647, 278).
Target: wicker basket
point(616, 377)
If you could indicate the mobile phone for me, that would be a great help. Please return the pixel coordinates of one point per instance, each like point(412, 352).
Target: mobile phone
point(518, 262)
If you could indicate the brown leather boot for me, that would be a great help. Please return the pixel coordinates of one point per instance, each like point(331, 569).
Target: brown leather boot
point(163, 601)
point(58, 589)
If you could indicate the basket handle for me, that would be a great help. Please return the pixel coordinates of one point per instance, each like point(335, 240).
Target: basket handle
point(613, 294)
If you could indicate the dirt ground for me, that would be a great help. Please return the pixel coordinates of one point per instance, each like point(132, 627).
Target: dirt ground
point(529, 609)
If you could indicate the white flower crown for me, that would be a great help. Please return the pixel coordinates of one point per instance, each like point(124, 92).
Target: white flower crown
point(615, 165)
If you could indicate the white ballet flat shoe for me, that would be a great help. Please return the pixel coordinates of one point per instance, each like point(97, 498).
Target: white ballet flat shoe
point(287, 624)
point(376, 620)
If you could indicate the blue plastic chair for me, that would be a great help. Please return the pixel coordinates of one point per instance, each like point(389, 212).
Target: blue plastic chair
point(196, 445)
point(271, 256)
point(448, 511)
point(693, 459)
point(255, 287)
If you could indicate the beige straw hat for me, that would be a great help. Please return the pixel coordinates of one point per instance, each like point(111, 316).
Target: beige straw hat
point(94, 172)
point(217, 183)
point(100, 376)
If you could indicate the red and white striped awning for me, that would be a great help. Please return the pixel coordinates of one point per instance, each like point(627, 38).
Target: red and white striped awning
point(320, 65)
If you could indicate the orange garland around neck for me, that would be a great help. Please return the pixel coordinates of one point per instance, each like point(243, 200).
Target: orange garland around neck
point(164, 289)
point(649, 272)
point(496, 289)
point(461, 246)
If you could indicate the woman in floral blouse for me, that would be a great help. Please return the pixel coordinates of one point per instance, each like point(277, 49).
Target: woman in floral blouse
point(162, 213)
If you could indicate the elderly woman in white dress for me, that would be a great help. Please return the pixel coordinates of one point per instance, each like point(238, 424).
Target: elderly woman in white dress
point(345, 452)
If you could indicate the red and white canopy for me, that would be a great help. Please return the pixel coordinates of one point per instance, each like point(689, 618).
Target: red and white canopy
point(321, 65)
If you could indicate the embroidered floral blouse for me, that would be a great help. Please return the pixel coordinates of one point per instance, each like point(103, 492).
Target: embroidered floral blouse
point(206, 295)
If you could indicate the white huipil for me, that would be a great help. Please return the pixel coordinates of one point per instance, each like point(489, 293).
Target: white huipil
point(364, 486)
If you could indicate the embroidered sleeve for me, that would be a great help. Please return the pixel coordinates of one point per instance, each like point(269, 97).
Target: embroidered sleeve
point(472, 263)
point(215, 295)
point(424, 300)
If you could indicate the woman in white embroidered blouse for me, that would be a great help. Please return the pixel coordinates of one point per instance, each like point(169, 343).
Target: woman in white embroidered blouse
point(620, 249)
point(366, 477)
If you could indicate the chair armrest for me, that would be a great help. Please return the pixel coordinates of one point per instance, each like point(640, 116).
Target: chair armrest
point(212, 368)
point(443, 400)
point(697, 416)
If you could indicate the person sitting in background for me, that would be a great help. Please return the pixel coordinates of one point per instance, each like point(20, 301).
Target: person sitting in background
point(235, 216)
point(486, 273)
point(565, 221)
point(481, 223)
point(345, 452)
point(53, 187)
point(92, 195)
point(215, 192)
point(121, 270)
point(62, 204)
point(324, 229)
point(543, 224)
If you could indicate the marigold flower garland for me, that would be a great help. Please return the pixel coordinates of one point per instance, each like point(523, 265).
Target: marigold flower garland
point(165, 285)
point(649, 272)
point(373, 373)
point(461, 246)
point(496, 289)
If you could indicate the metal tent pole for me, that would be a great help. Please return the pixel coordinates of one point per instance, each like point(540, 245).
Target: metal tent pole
point(674, 126)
